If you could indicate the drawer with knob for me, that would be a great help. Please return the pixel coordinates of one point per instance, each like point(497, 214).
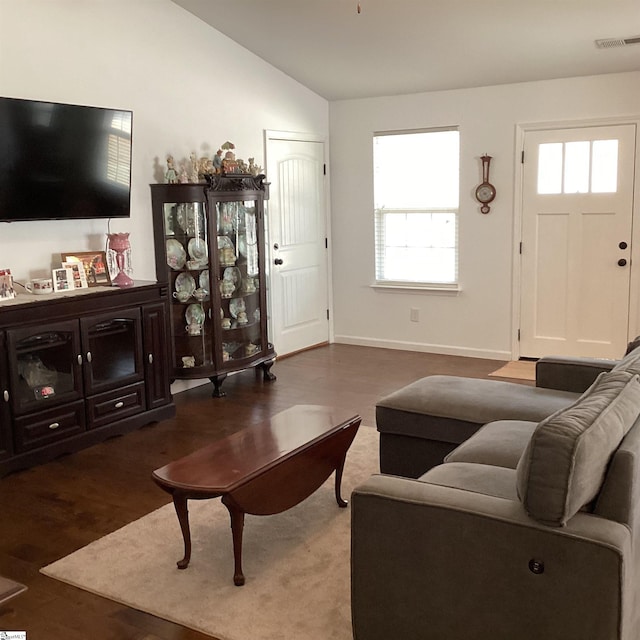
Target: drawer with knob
point(114, 405)
point(49, 426)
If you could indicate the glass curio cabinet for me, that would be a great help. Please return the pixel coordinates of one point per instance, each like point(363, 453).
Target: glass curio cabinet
point(209, 242)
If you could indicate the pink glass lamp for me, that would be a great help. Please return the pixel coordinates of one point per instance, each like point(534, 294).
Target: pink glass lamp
point(120, 245)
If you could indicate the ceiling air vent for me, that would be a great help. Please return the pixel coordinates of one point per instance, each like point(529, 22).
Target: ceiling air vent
point(609, 43)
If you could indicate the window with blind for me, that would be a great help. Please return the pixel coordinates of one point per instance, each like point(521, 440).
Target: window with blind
point(416, 196)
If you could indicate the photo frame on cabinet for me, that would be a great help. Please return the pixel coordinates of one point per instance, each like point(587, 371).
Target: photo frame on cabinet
point(62, 279)
point(94, 264)
point(79, 275)
point(7, 291)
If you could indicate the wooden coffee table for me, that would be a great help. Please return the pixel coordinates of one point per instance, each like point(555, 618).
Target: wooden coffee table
point(262, 470)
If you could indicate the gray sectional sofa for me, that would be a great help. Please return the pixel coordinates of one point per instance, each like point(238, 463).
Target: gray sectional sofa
point(525, 528)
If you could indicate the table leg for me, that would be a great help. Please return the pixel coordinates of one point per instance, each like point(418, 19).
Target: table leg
point(237, 527)
point(180, 503)
point(339, 469)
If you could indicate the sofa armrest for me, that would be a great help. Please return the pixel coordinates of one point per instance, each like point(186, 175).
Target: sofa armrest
point(570, 373)
point(432, 562)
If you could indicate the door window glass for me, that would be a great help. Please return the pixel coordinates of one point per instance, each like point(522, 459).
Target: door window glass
point(581, 166)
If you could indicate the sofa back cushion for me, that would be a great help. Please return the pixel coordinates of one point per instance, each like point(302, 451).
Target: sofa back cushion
point(631, 360)
point(564, 464)
point(619, 497)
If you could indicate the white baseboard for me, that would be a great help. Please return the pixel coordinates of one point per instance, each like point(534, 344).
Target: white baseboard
point(448, 350)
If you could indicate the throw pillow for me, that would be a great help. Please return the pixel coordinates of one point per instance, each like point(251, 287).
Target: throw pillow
point(564, 464)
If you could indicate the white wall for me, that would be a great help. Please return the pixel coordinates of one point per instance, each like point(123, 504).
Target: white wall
point(477, 320)
point(190, 89)
point(190, 86)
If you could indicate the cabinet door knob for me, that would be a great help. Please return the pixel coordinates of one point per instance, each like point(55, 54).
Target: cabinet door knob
point(277, 261)
point(622, 262)
point(119, 405)
point(54, 425)
point(5, 395)
point(79, 359)
point(150, 358)
point(88, 356)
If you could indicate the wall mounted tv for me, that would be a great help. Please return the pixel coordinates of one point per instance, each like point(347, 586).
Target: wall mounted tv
point(60, 161)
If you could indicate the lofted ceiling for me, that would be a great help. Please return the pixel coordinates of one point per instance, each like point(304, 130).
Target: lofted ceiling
point(409, 46)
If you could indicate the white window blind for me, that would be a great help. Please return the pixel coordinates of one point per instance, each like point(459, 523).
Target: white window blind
point(416, 197)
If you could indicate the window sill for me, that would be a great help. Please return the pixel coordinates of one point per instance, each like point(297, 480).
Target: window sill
point(403, 287)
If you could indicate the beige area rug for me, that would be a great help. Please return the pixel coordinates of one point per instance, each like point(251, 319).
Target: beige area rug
point(296, 565)
point(518, 369)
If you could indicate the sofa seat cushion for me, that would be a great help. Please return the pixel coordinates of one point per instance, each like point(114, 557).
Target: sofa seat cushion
point(465, 400)
point(498, 482)
point(564, 464)
point(499, 443)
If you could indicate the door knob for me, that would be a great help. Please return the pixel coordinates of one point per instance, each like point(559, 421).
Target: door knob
point(622, 262)
point(277, 261)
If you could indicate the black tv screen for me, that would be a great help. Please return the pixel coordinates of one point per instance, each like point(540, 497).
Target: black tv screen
point(61, 161)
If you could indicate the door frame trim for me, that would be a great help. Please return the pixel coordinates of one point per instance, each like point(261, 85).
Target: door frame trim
point(271, 134)
point(521, 129)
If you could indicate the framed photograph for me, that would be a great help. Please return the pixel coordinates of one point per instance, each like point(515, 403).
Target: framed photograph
point(79, 276)
point(7, 291)
point(62, 279)
point(94, 264)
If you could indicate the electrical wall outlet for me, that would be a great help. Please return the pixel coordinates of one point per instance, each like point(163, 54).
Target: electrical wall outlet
point(414, 314)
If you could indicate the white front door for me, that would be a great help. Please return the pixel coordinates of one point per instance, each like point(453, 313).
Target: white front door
point(298, 244)
point(576, 241)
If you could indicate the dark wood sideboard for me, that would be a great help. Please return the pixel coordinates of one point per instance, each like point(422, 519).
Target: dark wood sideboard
point(79, 367)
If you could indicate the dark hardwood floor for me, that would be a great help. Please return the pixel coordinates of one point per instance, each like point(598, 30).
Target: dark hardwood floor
point(54, 509)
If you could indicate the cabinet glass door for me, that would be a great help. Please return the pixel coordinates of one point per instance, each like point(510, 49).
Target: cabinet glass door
point(187, 254)
point(113, 350)
point(44, 366)
point(238, 278)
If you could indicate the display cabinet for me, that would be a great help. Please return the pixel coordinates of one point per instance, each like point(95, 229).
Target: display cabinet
point(78, 368)
point(209, 240)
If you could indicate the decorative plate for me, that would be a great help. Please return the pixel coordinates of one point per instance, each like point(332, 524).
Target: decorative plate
point(233, 274)
point(236, 305)
point(242, 246)
point(181, 217)
point(185, 282)
point(195, 219)
point(176, 255)
point(250, 227)
point(204, 280)
point(224, 242)
point(194, 314)
point(197, 248)
point(252, 260)
point(225, 217)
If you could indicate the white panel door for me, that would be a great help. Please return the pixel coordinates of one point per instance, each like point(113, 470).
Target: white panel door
point(298, 237)
point(576, 241)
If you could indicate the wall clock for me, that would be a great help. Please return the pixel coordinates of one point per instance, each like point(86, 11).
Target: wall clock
point(485, 192)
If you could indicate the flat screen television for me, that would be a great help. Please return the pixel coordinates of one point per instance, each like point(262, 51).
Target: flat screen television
point(63, 161)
